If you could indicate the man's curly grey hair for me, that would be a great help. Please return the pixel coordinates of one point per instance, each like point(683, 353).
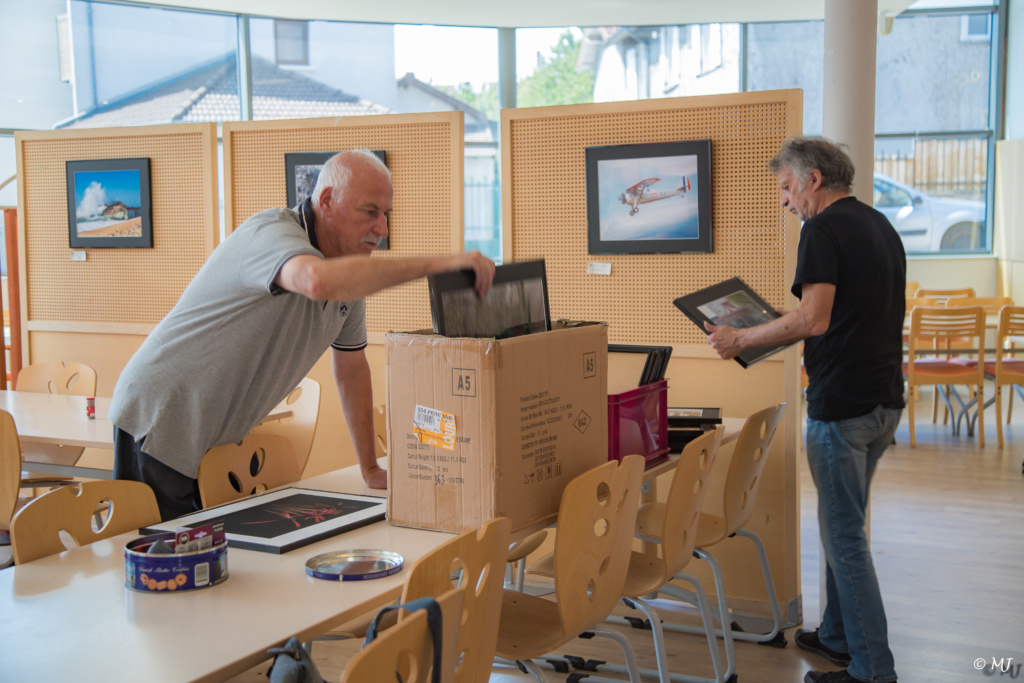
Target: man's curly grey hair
point(802, 154)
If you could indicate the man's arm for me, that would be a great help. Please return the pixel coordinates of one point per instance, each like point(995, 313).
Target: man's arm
point(355, 277)
point(352, 376)
point(810, 319)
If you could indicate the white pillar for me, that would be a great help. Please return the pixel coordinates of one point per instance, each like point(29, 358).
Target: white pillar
point(848, 114)
point(849, 92)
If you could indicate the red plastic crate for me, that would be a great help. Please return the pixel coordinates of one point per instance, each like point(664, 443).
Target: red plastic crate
point(638, 423)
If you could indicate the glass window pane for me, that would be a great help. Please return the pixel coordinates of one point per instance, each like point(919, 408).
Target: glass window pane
point(347, 69)
point(144, 65)
point(929, 78)
point(789, 55)
point(933, 191)
point(645, 62)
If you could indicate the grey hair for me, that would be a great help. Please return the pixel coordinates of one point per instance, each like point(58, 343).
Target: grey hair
point(802, 154)
point(337, 172)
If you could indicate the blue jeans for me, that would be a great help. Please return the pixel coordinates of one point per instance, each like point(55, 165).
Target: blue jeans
point(842, 456)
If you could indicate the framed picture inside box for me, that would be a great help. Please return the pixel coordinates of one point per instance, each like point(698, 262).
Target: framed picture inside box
point(284, 520)
point(652, 198)
point(735, 304)
point(109, 203)
point(517, 303)
point(303, 168)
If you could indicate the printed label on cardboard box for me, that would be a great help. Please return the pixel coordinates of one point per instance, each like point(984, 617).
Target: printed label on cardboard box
point(435, 427)
point(540, 416)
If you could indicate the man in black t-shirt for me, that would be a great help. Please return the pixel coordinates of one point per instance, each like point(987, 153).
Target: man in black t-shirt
point(850, 279)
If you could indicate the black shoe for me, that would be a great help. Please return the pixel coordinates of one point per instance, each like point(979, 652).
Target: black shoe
point(828, 676)
point(808, 640)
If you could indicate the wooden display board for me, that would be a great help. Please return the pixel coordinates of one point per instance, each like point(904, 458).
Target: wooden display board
point(544, 204)
point(424, 154)
point(544, 207)
point(119, 290)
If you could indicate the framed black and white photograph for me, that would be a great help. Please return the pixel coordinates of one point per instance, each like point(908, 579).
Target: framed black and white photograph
point(303, 168)
point(284, 520)
point(735, 304)
point(516, 305)
point(109, 203)
point(652, 198)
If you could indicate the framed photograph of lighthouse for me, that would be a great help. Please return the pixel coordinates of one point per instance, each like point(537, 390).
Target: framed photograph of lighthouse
point(652, 198)
point(109, 203)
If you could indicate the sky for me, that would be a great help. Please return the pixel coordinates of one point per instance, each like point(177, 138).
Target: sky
point(478, 61)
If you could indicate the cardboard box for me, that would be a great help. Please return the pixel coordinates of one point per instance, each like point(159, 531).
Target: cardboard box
point(482, 428)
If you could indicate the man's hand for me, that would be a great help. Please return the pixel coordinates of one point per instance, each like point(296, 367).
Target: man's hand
point(481, 266)
point(376, 477)
point(724, 340)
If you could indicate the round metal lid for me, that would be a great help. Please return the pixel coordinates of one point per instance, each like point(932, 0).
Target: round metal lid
point(354, 565)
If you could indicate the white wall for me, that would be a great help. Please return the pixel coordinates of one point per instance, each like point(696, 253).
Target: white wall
point(954, 272)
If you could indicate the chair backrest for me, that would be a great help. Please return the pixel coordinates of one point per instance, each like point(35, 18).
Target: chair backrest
point(685, 498)
point(36, 528)
point(480, 554)
point(380, 430)
point(593, 540)
point(912, 288)
point(914, 302)
point(944, 328)
point(10, 468)
point(1011, 324)
point(59, 377)
point(748, 459)
point(238, 470)
point(941, 295)
point(300, 426)
point(991, 304)
point(405, 652)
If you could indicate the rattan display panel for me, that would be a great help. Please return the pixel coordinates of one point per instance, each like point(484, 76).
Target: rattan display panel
point(117, 286)
point(544, 197)
point(424, 153)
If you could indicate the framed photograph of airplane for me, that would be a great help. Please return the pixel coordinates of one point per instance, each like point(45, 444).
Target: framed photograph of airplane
point(652, 198)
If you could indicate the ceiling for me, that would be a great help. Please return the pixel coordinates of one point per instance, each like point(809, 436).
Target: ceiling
point(533, 13)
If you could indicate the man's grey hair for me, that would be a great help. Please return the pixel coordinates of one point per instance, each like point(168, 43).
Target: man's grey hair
point(337, 172)
point(801, 155)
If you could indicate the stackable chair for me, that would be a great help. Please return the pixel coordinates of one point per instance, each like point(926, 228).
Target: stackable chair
point(36, 528)
point(938, 330)
point(301, 409)
point(672, 525)
point(1006, 370)
point(739, 497)
point(591, 559)
point(941, 296)
point(237, 470)
point(405, 652)
point(476, 558)
point(10, 471)
point(68, 378)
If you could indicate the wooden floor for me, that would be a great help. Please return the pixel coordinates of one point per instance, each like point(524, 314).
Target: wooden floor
point(948, 542)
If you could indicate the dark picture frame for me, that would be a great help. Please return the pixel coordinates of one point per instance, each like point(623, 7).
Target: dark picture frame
point(303, 168)
point(109, 203)
point(517, 303)
point(314, 515)
point(735, 304)
point(650, 198)
point(656, 364)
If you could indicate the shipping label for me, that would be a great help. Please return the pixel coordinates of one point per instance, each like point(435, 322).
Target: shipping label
point(435, 427)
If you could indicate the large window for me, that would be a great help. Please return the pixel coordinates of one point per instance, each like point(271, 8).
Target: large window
point(84, 63)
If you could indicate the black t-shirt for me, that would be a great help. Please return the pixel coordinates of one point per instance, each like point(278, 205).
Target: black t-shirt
point(856, 365)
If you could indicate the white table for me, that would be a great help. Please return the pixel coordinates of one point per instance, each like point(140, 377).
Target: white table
point(70, 617)
point(59, 420)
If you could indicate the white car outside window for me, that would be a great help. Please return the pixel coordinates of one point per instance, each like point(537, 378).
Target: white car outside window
point(927, 223)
